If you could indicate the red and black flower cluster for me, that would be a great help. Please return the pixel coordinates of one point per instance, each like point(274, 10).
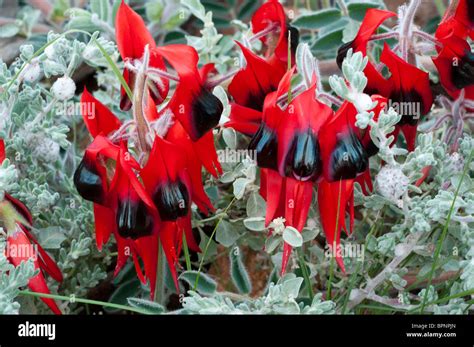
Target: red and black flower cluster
point(298, 141)
point(146, 202)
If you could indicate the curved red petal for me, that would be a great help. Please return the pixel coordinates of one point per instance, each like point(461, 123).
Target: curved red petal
point(97, 117)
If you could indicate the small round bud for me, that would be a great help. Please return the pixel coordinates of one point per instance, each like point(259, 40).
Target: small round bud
point(362, 102)
point(32, 72)
point(64, 88)
point(391, 182)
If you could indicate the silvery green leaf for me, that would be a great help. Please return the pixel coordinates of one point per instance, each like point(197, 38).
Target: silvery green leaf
point(196, 8)
point(222, 96)
point(256, 205)
point(50, 237)
point(306, 63)
point(292, 237)
point(238, 272)
point(230, 137)
point(239, 187)
point(350, 31)
point(101, 8)
point(272, 242)
point(291, 287)
point(318, 19)
point(226, 234)
point(466, 182)
point(9, 30)
point(206, 285)
point(150, 306)
point(255, 223)
point(309, 234)
point(227, 177)
point(154, 10)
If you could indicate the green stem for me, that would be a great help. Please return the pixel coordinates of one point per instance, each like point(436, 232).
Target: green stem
point(160, 277)
point(351, 286)
point(186, 253)
point(444, 233)
point(83, 301)
point(307, 280)
point(201, 263)
point(331, 267)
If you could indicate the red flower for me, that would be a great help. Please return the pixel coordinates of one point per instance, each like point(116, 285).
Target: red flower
point(458, 19)
point(249, 87)
point(197, 109)
point(408, 87)
point(371, 22)
point(346, 150)
point(22, 245)
point(455, 61)
point(177, 135)
point(132, 36)
point(272, 15)
point(145, 208)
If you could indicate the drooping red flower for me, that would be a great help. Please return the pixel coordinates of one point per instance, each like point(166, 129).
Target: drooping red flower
point(132, 36)
point(193, 104)
point(408, 88)
point(371, 22)
point(458, 20)
point(249, 88)
point(22, 246)
point(90, 177)
point(455, 65)
point(272, 14)
point(410, 94)
point(177, 135)
point(288, 151)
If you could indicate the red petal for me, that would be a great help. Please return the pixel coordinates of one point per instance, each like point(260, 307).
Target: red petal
point(196, 108)
point(244, 119)
point(20, 207)
point(19, 241)
point(105, 224)
point(275, 195)
point(178, 136)
point(2, 151)
point(270, 13)
point(406, 77)
point(252, 83)
point(330, 196)
point(97, 117)
point(131, 33)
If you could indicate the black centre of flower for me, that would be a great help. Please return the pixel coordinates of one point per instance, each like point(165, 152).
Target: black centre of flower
point(348, 158)
point(172, 200)
point(294, 37)
point(371, 149)
point(206, 112)
point(88, 181)
point(133, 220)
point(303, 159)
point(409, 104)
point(342, 52)
point(463, 71)
point(265, 144)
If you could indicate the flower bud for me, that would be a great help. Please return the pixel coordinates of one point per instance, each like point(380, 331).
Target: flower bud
point(64, 88)
point(391, 182)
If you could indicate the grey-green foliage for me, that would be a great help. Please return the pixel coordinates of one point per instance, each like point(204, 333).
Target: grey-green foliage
point(281, 298)
point(11, 280)
point(42, 146)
